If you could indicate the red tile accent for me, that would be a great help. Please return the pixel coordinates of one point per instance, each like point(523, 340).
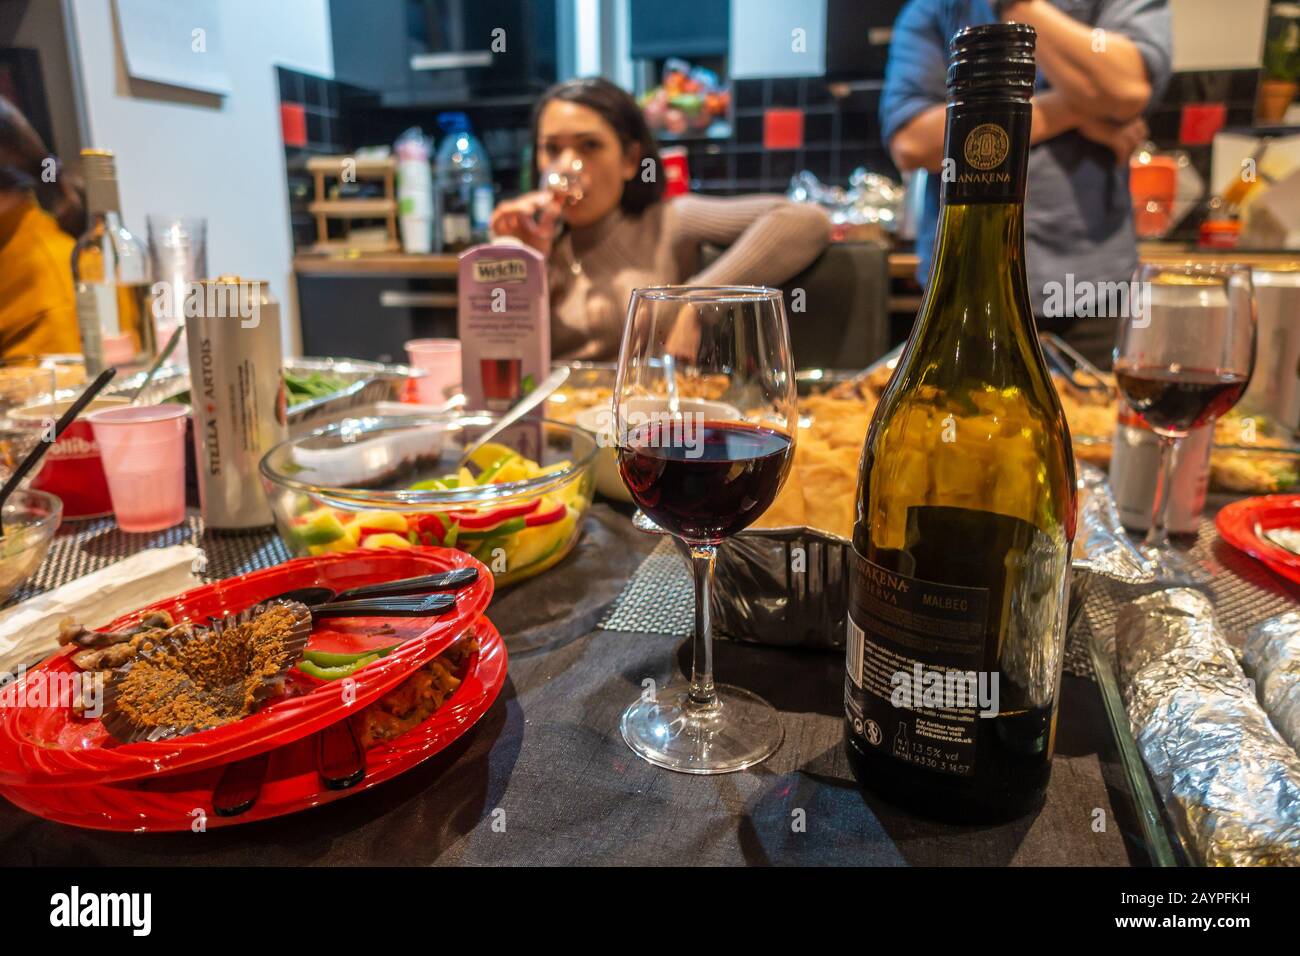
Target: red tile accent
point(293, 124)
point(1200, 121)
point(782, 129)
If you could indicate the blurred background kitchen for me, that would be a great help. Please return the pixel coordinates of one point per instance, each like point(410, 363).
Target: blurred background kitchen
point(278, 130)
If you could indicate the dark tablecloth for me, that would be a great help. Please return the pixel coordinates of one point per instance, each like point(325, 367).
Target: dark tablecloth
point(545, 777)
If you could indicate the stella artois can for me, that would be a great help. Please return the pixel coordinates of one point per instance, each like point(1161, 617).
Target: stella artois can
point(237, 389)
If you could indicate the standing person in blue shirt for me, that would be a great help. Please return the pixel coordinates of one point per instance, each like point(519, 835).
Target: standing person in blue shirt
point(1101, 63)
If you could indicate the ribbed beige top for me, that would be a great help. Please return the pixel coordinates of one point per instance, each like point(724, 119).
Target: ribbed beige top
point(593, 270)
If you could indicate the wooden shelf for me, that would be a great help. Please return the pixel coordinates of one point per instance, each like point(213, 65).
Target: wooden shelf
point(376, 168)
point(360, 247)
point(353, 208)
point(323, 209)
point(437, 265)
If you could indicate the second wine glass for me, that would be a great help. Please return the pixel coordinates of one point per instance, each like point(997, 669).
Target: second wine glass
point(1180, 363)
point(705, 416)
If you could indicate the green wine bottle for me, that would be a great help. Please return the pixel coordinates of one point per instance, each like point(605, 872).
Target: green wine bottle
point(966, 496)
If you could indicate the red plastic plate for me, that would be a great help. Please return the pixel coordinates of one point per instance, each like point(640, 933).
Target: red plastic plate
point(181, 801)
point(50, 746)
point(1243, 523)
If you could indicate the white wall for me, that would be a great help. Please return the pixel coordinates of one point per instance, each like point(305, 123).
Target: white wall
point(763, 38)
point(1206, 39)
point(186, 153)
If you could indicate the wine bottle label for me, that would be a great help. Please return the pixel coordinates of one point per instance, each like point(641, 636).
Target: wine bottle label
point(914, 657)
point(986, 154)
point(97, 317)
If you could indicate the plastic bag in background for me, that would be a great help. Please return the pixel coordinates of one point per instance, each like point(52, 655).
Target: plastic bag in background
point(871, 199)
point(415, 197)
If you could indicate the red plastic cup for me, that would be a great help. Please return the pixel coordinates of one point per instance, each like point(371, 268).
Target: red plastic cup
point(143, 452)
point(677, 173)
point(440, 361)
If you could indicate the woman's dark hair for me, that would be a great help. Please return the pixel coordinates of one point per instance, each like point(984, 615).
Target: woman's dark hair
point(617, 108)
point(22, 165)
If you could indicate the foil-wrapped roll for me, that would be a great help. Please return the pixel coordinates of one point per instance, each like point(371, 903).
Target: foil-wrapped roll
point(1100, 543)
point(1230, 781)
point(1272, 658)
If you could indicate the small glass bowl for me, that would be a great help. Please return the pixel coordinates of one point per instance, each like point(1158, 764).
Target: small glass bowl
point(30, 520)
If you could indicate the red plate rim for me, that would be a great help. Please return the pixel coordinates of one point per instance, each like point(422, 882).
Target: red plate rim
point(1239, 523)
point(126, 807)
point(26, 763)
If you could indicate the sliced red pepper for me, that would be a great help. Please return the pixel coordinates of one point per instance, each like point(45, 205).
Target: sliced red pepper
point(547, 517)
point(429, 524)
point(509, 526)
point(477, 522)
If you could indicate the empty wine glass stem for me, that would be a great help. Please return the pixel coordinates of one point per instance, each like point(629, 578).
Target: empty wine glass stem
point(702, 692)
point(1157, 535)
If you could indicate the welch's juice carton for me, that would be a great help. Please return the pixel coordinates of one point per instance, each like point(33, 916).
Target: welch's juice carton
point(505, 323)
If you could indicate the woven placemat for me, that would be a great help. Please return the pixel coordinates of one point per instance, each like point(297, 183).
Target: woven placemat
point(659, 598)
point(81, 547)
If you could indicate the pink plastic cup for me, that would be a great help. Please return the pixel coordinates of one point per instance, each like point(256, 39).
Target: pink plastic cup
point(143, 451)
point(440, 361)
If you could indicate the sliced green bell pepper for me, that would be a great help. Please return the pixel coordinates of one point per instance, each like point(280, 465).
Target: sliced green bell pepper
point(331, 659)
point(335, 673)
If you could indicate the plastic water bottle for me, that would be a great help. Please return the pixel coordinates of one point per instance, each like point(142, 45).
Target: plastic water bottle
point(463, 176)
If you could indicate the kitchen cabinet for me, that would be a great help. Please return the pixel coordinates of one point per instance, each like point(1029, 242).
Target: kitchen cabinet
point(370, 44)
point(686, 28)
point(440, 53)
point(857, 37)
point(373, 316)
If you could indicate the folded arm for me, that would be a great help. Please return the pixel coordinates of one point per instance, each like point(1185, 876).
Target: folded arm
point(918, 144)
point(1100, 71)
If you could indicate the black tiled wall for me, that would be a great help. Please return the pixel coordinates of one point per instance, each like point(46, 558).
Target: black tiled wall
point(320, 99)
point(841, 133)
point(1236, 89)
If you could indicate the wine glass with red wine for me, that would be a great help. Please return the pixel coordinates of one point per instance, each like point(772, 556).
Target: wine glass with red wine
point(705, 418)
point(1181, 363)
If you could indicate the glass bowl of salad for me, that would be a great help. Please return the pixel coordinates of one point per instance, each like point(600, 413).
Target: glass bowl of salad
point(516, 504)
point(30, 519)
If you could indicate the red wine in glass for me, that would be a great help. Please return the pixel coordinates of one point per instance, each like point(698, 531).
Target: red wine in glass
point(1175, 400)
point(704, 480)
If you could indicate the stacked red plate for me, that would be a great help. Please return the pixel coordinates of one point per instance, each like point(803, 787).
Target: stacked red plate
point(1247, 524)
point(66, 768)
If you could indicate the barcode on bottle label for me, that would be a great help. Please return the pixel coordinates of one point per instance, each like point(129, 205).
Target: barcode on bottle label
point(853, 659)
